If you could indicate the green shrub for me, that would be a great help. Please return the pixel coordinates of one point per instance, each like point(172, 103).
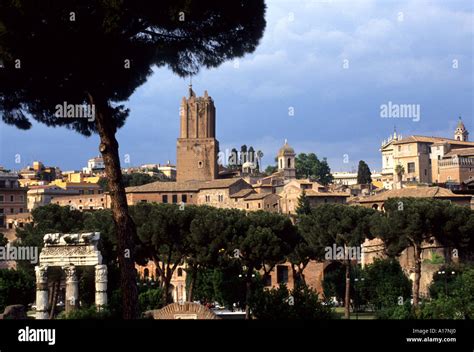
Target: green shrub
point(282, 304)
point(86, 313)
point(151, 299)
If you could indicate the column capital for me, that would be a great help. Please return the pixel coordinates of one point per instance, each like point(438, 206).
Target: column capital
point(101, 273)
point(71, 275)
point(41, 272)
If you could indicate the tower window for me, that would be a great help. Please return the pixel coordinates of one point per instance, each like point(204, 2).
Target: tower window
point(289, 163)
point(200, 164)
point(281, 164)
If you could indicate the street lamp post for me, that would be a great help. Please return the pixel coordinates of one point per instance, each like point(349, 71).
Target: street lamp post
point(356, 280)
point(445, 274)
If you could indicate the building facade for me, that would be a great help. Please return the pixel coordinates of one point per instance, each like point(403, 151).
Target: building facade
point(12, 196)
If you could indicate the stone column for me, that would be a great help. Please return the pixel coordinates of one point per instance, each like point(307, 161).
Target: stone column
point(72, 288)
point(41, 292)
point(100, 286)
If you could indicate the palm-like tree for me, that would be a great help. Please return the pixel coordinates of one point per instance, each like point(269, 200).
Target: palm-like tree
point(399, 170)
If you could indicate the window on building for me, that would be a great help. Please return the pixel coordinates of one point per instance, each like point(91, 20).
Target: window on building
point(208, 199)
point(12, 198)
point(220, 198)
point(21, 210)
point(200, 164)
point(289, 163)
point(146, 273)
point(184, 198)
point(1, 210)
point(91, 191)
point(259, 205)
point(180, 272)
point(411, 167)
point(175, 198)
point(81, 191)
point(247, 205)
point(439, 157)
point(2, 184)
point(164, 198)
point(12, 211)
point(282, 274)
point(426, 172)
point(399, 148)
point(1, 198)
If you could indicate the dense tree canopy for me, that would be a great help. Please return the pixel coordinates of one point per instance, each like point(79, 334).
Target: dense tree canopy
point(414, 222)
point(309, 166)
point(89, 56)
point(335, 225)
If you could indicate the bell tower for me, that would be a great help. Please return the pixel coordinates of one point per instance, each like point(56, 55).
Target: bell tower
point(286, 161)
point(461, 134)
point(197, 147)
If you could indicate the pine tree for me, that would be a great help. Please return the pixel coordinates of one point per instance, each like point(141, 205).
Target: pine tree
point(364, 174)
point(303, 204)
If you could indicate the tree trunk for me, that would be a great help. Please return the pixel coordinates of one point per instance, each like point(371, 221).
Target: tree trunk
point(192, 282)
point(416, 282)
point(347, 299)
point(54, 298)
point(124, 225)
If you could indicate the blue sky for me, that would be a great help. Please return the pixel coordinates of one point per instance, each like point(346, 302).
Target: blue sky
point(332, 62)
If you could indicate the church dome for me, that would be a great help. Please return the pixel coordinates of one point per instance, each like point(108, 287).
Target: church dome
point(460, 125)
point(286, 150)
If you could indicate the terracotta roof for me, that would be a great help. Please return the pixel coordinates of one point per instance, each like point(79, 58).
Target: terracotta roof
point(425, 139)
point(420, 192)
point(192, 186)
point(256, 196)
point(313, 193)
point(461, 151)
point(242, 193)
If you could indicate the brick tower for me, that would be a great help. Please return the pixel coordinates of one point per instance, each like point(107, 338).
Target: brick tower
point(197, 147)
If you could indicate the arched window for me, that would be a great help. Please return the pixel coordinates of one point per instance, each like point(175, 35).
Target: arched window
point(180, 272)
point(289, 163)
point(146, 273)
